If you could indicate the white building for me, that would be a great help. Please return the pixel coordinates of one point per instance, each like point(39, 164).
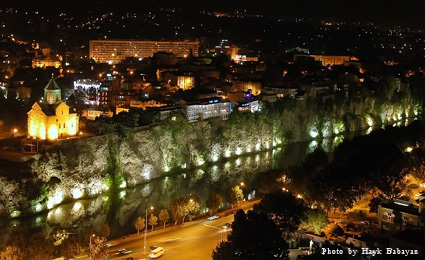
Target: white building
point(208, 109)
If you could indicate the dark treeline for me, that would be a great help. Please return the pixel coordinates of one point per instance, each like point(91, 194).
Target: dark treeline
point(376, 165)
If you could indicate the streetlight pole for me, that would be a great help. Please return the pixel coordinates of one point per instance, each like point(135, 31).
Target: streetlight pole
point(90, 246)
point(242, 185)
point(146, 231)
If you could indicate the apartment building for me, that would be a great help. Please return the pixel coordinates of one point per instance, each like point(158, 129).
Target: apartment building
point(113, 51)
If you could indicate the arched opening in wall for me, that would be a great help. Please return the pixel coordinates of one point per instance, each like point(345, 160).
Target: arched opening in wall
point(54, 181)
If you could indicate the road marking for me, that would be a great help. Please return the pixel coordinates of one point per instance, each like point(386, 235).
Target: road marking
point(212, 226)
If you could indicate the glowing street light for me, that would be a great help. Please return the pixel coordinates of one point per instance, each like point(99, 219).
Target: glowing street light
point(92, 235)
point(146, 231)
point(14, 132)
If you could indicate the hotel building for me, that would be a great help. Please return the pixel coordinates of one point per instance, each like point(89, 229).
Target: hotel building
point(113, 51)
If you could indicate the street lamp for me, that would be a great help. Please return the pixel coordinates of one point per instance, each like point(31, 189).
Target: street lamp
point(146, 230)
point(242, 185)
point(14, 132)
point(311, 245)
point(90, 245)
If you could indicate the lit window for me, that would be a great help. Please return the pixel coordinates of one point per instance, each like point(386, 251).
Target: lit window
point(389, 216)
point(405, 220)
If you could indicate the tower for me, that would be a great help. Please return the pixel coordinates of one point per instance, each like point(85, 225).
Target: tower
point(52, 92)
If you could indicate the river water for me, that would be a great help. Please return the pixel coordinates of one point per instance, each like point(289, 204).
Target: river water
point(121, 210)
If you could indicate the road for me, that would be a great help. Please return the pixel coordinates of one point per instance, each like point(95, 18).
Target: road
point(194, 240)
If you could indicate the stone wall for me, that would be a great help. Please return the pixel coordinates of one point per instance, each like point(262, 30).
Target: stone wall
point(86, 167)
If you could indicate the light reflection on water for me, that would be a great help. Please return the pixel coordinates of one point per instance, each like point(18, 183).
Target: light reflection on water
point(131, 202)
point(120, 211)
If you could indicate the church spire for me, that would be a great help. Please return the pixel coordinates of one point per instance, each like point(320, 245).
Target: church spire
point(52, 92)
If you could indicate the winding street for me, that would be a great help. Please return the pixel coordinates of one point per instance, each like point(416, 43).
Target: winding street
point(193, 240)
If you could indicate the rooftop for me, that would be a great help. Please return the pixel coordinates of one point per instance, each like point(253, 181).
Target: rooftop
point(401, 205)
point(52, 85)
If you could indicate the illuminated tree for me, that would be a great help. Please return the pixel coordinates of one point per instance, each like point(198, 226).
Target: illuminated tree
point(97, 247)
point(235, 195)
point(214, 201)
point(315, 219)
point(153, 221)
point(39, 248)
point(193, 205)
point(59, 236)
point(70, 248)
point(139, 224)
point(11, 253)
point(178, 209)
point(164, 217)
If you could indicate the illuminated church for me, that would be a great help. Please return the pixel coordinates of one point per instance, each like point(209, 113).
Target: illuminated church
point(51, 118)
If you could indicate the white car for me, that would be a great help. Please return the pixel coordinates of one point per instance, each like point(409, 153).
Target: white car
point(212, 218)
point(156, 252)
point(227, 225)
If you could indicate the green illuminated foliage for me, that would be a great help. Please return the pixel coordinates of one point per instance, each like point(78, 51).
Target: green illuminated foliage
point(235, 194)
point(315, 219)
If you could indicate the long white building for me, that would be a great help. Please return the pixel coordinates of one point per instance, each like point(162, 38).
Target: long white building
point(113, 51)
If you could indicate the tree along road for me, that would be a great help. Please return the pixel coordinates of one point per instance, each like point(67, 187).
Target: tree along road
point(194, 240)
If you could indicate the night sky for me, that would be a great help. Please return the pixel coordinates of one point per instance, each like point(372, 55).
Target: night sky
point(393, 12)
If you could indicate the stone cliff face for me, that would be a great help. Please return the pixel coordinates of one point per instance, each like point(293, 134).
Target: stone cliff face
point(87, 167)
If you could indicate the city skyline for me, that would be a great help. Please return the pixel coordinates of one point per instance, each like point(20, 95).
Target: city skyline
point(220, 129)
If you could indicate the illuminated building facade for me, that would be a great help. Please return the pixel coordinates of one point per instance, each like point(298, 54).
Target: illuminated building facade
point(46, 59)
point(94, 112)
point(113, 51)
point(327, 59)
point(97, 94)
point(145, 104)
point(398, 214)
point(185, 82)
point(254, 87)
point(51, 118)
point(202, 110)
point(46, 62)
point(251, 106)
